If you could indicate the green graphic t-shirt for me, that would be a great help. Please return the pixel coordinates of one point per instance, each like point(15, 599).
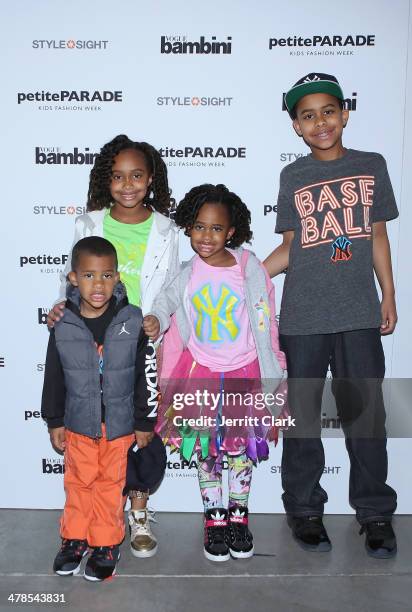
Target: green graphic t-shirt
point(130, 242)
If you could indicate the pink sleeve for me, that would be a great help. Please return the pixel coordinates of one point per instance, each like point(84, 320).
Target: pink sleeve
point(172, 348)
point(274, 330)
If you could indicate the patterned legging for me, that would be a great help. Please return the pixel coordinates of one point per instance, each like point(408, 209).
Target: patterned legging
point(210, 480)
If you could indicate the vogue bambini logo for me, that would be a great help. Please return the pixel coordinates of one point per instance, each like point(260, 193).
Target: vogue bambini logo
point(54, 156)
point(179, 45)
point(193, 101)
point(42, 315)
point(349, 104)
point(52, 466)
point(71, 43)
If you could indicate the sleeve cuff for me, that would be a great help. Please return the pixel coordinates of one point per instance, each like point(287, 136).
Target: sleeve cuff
point(55, 422)
point(144, 425)
point(164, 324)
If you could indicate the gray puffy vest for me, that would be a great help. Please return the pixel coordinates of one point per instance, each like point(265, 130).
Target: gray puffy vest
point(80, 361)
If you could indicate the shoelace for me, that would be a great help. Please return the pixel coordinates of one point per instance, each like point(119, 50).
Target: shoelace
point(216, 535)
point(141, 527)
point(103, 552)
point(240, 532)
point(379, 530)
point(310, 526)
point(77, 545)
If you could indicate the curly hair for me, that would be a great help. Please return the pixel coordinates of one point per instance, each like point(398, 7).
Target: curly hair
point(239, 214)
point(158, 196)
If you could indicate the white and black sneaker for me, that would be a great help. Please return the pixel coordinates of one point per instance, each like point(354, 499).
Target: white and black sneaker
point(240, 538)
point(69, 557)
point(216, 546)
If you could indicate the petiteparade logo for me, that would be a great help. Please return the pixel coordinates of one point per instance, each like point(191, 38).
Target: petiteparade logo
point(69, 100)
point(194, 156)
point(203, 152)
point(321, 40)
point(71, 43)
point(43, 259)
point(321, 44)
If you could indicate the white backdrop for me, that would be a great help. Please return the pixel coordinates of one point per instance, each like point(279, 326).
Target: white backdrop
point(231, 102)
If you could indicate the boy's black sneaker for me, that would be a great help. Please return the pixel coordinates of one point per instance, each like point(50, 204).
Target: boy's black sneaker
point(102, 563)
point(69, 557)
point(310, 533)
point(380, 541)
point(216, 546)
point(240, 538)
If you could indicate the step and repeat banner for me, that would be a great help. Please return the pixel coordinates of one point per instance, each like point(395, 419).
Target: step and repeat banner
point(204, 83)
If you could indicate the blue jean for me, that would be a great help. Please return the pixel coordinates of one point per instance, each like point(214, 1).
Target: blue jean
point(357, 364)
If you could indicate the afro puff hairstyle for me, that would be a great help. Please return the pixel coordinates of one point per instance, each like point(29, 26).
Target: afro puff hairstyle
point(239, 214)
point(158, 196)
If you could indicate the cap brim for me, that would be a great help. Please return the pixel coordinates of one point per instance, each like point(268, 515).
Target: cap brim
point(300, 91)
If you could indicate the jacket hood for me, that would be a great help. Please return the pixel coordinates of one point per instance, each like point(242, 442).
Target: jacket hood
point(237, 254)
point(163, 223)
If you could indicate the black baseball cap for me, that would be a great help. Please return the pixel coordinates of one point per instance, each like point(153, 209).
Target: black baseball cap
point(315, 82)
point(145, 466)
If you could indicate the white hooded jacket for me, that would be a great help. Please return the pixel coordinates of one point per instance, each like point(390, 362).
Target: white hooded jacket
point(161, 260)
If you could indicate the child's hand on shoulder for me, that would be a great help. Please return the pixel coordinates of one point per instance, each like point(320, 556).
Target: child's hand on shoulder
point(151, 327)
point(389, 315)
point(143, 438)
point(55, 314)
point(58, 438)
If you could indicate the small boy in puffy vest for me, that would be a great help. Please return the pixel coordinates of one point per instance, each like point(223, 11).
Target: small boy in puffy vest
point(99, 396)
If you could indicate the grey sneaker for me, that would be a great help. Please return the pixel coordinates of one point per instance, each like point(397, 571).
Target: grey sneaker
point(142, 541)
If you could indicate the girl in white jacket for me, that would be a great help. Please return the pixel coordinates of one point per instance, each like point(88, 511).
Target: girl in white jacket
point(128, 204)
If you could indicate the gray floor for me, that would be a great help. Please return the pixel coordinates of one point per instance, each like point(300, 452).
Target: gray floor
point(279, 577)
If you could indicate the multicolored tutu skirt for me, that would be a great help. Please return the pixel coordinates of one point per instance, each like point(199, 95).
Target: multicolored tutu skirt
point(214, 413)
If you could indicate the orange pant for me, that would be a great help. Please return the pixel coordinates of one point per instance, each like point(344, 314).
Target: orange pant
point(95, 473)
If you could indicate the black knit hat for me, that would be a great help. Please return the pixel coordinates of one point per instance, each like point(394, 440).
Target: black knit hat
point(145, 466)
point(315, 82)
